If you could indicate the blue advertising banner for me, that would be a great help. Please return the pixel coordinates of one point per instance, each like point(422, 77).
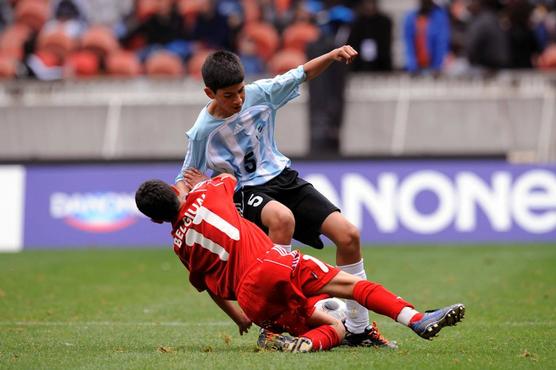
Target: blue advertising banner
point(397, 202)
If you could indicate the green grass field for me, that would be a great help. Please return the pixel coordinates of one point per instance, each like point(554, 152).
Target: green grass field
point(122, 309)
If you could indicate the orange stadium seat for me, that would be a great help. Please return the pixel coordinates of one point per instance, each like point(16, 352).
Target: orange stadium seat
point(547, 59)
point(13, 38)
point(99, 40)
point(123, 64)
point(298, 35)
point(189, 10)
point(8, 67)
point(195, 63)
point(251, 10)
point(145, 8)
point(265, 37)
point(163, 63)
point(33, 13)
point(83, 63)
point(286, 59)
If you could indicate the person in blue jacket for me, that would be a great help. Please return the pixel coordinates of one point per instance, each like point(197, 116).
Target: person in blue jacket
point(426, 32)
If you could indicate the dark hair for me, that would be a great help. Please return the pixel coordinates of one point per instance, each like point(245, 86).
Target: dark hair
point(157, 200)
point(222, 69)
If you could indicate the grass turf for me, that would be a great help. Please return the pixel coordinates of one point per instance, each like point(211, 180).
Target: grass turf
point(116, 309)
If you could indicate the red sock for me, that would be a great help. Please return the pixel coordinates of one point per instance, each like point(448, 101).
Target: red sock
point(324, 337)
point(378, 299)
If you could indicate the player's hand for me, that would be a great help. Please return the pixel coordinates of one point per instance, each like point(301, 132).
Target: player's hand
point(244, 325)
point(344, 54)
point(192, 177)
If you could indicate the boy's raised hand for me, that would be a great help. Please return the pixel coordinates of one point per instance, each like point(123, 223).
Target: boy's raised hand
point(192, 177)
point(344, 54)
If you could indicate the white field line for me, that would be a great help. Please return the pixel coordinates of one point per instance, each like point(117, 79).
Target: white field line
point(229, 323)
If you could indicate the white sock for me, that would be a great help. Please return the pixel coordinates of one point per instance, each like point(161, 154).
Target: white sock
point(287, 248)
point(357, 316)
point(405, 315)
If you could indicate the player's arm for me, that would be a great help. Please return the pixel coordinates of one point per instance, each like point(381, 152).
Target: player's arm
point(234, 312)
point(316, 66)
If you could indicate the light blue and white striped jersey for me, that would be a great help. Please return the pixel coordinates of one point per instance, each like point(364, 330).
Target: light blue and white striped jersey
point(243, 144)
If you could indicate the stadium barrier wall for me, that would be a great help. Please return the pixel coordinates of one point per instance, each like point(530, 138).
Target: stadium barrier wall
point(391, 202)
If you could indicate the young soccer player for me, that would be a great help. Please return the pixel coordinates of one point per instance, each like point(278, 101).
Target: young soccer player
point(234, 133)
point(233, 259)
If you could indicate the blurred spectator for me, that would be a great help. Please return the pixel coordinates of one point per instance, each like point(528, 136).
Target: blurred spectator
point(69, 15)
point(253, 64)
point(426, 37)
point(327, 93)
point(522, 40)
point(5, 14)
point(212, 27)
point(544, 24)
point(159, 25)
point(456, 63)
point(107, 12)
point(57, 39)
point(371, 36)
point(487, 43)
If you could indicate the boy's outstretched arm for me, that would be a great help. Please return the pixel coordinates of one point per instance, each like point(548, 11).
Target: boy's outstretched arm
point(316, 66)
point(234, 312)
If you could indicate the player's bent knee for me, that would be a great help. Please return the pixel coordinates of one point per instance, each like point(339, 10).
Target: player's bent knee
point(282, 220)
point(349, 237)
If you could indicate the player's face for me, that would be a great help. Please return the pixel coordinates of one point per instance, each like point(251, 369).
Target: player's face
point(229, 100)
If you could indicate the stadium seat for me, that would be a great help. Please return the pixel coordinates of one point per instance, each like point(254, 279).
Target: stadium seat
point(163, 63)
point(265, 36)
point(298, 35)
point(83, 63)
point(284, 60)
point(195, 63)
point(251, 11)
point(189, 10)
point(100, 40)
point(8, 67)
point(145, 8)
point(32, 13)
point(547, 59)
point(123, 64)
point(12, 40)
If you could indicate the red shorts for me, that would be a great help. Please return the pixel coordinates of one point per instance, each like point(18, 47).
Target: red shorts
point(278, 292)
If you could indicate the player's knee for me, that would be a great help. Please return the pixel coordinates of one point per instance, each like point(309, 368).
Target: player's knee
point(349, 238)
point(282, 221)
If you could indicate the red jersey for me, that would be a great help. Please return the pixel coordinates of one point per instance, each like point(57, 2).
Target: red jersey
point(213, 241)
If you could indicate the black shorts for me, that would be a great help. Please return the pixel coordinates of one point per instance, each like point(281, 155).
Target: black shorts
point(309, 207)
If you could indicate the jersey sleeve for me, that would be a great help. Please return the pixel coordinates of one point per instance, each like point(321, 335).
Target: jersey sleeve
point(194, 158)
point(281, 89)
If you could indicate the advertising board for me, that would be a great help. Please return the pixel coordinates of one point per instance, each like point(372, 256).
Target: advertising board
point(391, 202)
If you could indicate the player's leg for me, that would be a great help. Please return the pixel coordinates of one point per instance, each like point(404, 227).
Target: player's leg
point(348, 258)
point(273, 217)
point(380, 300)
point(280, 222)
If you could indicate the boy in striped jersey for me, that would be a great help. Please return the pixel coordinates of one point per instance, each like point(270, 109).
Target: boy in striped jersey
point(234, 133)
point(233, 259)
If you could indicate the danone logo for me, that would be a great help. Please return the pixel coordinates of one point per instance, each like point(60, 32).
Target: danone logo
point(100, 212)
point(430, 202)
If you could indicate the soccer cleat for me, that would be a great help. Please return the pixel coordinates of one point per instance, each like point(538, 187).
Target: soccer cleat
point(283, 343)
point(370, 337)
point(433, 321)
